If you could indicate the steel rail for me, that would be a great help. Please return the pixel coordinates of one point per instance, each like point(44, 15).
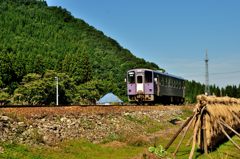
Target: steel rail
point(54, 106)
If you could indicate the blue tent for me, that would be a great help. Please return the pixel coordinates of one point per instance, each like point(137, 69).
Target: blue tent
point(109, 98)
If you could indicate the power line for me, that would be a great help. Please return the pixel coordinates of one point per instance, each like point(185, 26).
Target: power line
point(217, 73)
point(220, 73)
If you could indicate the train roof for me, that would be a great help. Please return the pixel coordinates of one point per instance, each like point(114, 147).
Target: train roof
point(158, 72)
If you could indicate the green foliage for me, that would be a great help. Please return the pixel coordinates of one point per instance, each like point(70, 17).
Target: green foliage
point(149, 124)
point(77, 149)
point(36, 89)
point(135, 119)
point(36, 38)
point(158, 151)
point(112, 137)
point(94, 89)
point(4, 97)
point(194, 88)
point(78, 66)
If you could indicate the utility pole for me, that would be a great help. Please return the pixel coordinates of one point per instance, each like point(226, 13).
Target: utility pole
point(56, 78)
point(207, 90)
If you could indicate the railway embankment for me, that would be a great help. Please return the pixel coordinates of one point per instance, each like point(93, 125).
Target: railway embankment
point(49, 126)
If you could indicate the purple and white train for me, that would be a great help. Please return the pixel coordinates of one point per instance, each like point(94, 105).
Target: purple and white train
point(150, 86)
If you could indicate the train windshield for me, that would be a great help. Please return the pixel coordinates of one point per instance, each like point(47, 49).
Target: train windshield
point(139, 79)
point(148, 77)
point(131, 77)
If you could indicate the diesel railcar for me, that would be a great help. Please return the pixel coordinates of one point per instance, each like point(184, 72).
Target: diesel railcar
point(150, 86)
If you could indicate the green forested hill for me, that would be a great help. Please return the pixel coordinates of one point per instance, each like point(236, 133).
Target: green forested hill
point(40, 42)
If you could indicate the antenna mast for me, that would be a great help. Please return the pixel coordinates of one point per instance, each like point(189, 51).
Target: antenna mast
point(207, 90)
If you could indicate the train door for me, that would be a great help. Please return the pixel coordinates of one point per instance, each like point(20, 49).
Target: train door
point(140, 89)
point(148, 83)
point(158, 84)
point(131, 85)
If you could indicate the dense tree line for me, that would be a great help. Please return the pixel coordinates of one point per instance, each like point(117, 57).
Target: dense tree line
point(39, 43)
point(194, 88)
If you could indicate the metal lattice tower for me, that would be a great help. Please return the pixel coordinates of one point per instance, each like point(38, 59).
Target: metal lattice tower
point(207, 90)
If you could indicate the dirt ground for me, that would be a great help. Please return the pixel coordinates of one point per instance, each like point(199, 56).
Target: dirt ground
point(75, 110)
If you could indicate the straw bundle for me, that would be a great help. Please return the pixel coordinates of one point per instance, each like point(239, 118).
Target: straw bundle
point(214, 120)
point(217, 111)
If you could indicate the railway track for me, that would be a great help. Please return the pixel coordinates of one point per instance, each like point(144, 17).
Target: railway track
point(80, 106)
point(84, 106)
point(53, 106)
point(29, 110)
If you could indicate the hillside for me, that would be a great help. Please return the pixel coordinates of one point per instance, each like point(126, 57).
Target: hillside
point(39, 42)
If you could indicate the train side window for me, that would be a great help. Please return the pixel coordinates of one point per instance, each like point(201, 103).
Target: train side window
point(148, 77)
point(167, 81)
point(131, 77)
point(176, 83)
point(182, 84)
point(139, 79)
point(162, 80)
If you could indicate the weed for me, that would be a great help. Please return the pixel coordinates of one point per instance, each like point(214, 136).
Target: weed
point(36, 136)
point(135, 119)
point(111, 137)
point(138, 141)
point(186, 113)
point(149, 124)
point(158, 151)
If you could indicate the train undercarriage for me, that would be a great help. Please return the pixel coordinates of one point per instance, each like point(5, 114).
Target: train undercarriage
point(142, 99)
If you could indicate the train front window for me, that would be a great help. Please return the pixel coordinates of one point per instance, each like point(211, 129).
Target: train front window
point(131, 77)
point(139, 79)
point(148, 77)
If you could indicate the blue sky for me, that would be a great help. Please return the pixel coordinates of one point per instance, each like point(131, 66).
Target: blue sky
point(171, 33)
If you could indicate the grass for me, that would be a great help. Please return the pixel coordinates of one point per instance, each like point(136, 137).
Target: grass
point(186, 113)
point(77, 149)
point(225, 151)
point(150, 125)
point(113, 137)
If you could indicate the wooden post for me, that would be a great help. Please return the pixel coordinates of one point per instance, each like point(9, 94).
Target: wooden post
point(189, 141)
point(195, 132)
point(225, 133)
point(205, 145)
point(194, 137)
point(229, 127)
point(184, 134)
point(179, 131)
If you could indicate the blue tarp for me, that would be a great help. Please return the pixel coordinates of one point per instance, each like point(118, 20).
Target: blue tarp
point(108, 99)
